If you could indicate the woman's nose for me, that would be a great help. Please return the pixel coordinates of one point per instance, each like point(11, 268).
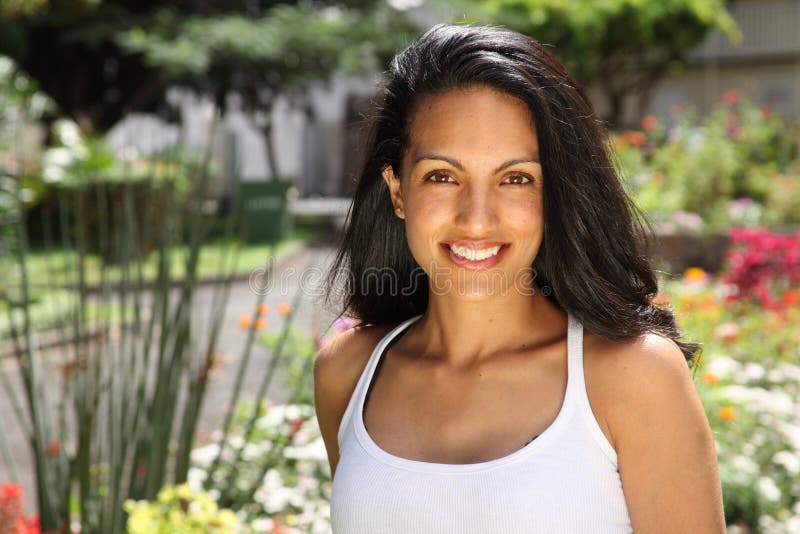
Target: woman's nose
point(476, 212)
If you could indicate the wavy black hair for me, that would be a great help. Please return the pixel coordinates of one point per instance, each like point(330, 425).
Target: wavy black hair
point(593, 260)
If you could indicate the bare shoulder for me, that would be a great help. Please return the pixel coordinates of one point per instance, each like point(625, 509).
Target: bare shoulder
point(337, 366)
point(661, 435)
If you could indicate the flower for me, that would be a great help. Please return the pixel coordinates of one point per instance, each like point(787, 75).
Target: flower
point(727, 413)
point(695, 275)
point(244, 321)
point(263, 309)
point(730, 97)
point(727, 332)
point(649, 123)
point(260, 324)
point(660, 300)
point(634, 137)
point(710, 378)
point(344, 323)
point(284, 308)
point(791, 298)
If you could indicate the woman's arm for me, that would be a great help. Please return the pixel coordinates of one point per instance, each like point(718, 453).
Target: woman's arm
point(665, 450)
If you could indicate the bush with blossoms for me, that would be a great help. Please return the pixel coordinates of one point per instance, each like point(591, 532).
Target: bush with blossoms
point(748, 378)
point(737, 166)
point(12, 513)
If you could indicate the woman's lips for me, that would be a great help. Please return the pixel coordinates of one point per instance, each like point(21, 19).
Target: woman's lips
point(485, 263)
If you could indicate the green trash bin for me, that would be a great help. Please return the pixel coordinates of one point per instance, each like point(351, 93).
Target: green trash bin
point(265, 210)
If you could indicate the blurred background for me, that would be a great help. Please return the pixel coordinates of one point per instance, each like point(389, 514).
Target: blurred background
point(173, 181)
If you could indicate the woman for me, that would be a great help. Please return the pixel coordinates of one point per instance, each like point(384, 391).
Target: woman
point(510, 372)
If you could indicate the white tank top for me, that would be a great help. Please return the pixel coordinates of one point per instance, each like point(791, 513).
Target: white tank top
point(563, 481)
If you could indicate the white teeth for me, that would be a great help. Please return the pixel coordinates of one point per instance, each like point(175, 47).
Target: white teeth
point(475, 255)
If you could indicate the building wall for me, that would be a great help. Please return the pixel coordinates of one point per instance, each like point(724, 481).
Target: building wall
point(764, 67)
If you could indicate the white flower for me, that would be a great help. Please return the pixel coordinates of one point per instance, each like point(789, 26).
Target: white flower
point(791, 433)
point(768, 489)
point(68, 132)
point(744, 464)
point(263, 524)
point(790, 462)
point(753, 371)
point(205, 455)
point(723, 366)
point(791, 371)
point(195, 477)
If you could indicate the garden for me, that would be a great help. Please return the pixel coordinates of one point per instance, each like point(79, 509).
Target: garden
point(152, 380)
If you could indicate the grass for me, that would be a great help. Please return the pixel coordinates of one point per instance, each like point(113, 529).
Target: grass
point(58, 268)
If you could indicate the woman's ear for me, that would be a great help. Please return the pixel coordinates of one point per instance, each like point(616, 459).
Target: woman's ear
point(393, 182)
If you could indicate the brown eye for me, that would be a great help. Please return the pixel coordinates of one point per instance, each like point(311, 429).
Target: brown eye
point(520, 179)
point(438, 177)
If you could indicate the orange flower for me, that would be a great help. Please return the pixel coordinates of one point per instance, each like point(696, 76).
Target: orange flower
point(649, 123)
point(660, 300)
point(263, 309)
point(694, 274)
point(284, 308)
point(55, 448)
point(727, 413)
point(634, 137)
point(710, 378)
point(244, 321)
point(260, 324)
point(791, 298)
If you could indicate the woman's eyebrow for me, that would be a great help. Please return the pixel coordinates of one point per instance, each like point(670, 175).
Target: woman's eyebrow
point(457, 164)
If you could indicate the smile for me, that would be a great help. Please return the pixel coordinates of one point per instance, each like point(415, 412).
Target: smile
point(475, 255)
point(472, 258)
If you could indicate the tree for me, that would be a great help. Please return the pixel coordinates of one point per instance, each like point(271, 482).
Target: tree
point(262, 56)
point(625, 46)
point(99, 60)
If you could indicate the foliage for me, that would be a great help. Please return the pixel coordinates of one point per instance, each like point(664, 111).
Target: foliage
point(182, 510)
point(739, 166)
point(125, 56)
point(623, 45)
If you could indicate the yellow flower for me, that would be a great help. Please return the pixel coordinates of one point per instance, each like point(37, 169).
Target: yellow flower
point(694, 274)
point(727, 413)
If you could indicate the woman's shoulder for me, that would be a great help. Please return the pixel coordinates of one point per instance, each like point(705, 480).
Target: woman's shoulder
point(340, 362)
point(645, 374)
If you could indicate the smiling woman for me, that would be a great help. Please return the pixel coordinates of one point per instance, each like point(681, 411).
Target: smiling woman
point(517, 376)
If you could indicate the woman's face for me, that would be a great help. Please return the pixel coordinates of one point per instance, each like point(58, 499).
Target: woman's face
point(471, 183)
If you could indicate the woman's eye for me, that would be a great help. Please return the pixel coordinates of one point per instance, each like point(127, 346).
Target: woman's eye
point(439, 177)
point(520, 179)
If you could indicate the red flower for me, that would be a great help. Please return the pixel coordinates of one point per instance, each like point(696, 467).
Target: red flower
point(730, 97)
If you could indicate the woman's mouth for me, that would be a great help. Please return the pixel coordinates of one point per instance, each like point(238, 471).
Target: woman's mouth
point(475, 258)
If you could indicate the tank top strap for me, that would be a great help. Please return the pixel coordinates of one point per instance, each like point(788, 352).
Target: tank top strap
point(369, 370)
point(576, 384)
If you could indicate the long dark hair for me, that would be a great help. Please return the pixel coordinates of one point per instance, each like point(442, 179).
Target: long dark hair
point(593, 260)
